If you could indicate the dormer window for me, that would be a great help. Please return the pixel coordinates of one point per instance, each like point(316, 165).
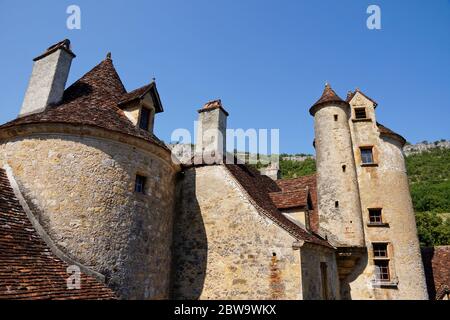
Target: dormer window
point(360, 113)
point(144, 119)
point(141, 105)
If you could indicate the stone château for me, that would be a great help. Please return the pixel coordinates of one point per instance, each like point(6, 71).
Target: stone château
point(86, 183)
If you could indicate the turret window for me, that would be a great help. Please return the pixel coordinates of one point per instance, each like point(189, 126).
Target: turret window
point(367, 155)
point(144, 120)
point(360, 113)
point(381, 262)
point(375, 216)
point(139, 185)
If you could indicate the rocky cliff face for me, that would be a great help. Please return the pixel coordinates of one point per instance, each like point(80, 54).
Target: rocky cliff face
point(425, 146)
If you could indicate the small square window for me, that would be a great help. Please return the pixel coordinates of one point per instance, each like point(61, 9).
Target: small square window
point(144, 120)
point(336, 117)
point(360, 113)
point(382, 273)
point(375, 216)
point(367, 155)
point(380, 250)
point(139, 185)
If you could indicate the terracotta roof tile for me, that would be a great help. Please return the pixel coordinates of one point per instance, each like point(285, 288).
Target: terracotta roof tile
point(92, 100)
point(289, 185)
point(211, 105)
point(290, 199)
point(258, 187)
point(436, 262)
point(28, 269)
point(389, 132)
point(328, 96)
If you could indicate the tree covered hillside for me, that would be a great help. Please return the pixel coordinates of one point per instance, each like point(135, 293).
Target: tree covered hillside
point(429, 175)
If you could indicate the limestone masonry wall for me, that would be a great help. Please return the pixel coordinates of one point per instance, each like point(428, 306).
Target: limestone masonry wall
point(82, 190)
point(385, 185)
point(224, 248)
point(338, 194)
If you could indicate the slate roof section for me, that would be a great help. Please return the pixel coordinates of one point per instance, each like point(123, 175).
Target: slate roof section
point(140, 93)
point(436, 262)
point(386, 131)
point(92, 100)
point(310, 182)
point(290, 199)
point(28, 268)
point(258, 187)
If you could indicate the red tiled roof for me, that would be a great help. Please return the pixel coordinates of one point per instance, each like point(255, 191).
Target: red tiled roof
point(140, 93)
point(258, 187)
point(289, 185)
point(28, 269)
point(351, 94)
point(92, 100)
point(211, 105)
point(328, 96)
point(436, 262)
point(290, 199)
point(389, 132)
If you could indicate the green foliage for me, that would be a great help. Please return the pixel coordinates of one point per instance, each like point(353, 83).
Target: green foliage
point(432, 229)
point(293, 169)
point(429, 175)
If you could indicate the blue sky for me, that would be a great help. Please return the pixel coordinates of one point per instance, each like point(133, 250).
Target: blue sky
point(267, 60)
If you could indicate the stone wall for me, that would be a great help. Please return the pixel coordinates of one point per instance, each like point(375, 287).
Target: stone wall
point(385, 185)
point(82, 190)
point(337, 185)
point(225, 249)
point(311, 258)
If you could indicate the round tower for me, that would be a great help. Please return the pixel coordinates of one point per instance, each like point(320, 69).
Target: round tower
point(337, 186)
point(99, 182)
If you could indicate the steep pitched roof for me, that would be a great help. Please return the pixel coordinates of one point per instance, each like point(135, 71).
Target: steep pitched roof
point(64, 45)
point(310, 182)
point(328, 96)
point(436, 262)
point(140, 93)
point(258, 187)
point(91, 100)
point(290, 199)
point(28, 269)
point(351, 94)
point(386, 131)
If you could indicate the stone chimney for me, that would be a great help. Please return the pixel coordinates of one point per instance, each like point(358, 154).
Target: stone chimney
point(48, 79)
point(272, 171)
point(211, 132)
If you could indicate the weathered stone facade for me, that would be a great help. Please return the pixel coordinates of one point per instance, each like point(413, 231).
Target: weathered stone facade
point(338, 194)
point(225, 249)
point(82, 188)
point(384, 185)
point(107, 192)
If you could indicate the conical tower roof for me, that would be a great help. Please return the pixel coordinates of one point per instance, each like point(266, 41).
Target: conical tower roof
point(328, 96)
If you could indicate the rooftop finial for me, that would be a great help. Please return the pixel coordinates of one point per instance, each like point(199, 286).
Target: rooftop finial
point(108, 56)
